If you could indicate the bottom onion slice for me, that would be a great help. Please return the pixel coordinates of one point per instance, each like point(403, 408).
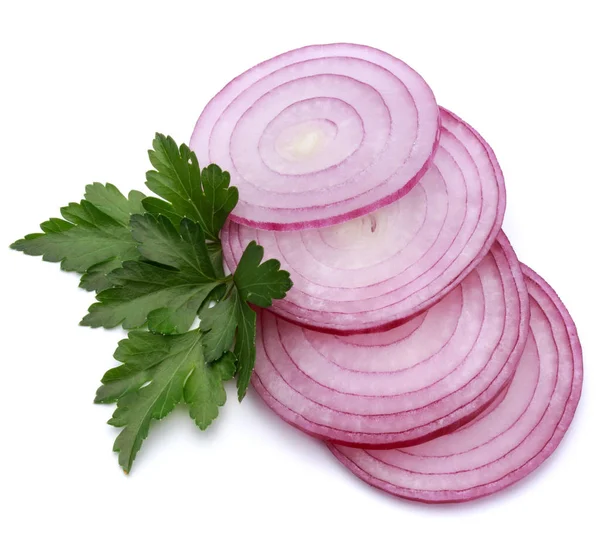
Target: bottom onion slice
point(518, 433)
point(408, 384)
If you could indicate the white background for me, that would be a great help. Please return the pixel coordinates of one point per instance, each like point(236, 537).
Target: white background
point(84, 87)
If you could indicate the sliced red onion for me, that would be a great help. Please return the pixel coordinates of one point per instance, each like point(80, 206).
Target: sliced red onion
point(374, 272)
point(503, 446)
point(320, 135)
point(406, 385)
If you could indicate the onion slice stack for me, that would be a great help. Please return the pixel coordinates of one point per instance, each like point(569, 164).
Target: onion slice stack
point(320, 135)
point(374, 272)
point(406, 385)
point(522, 429)
point(433, 363)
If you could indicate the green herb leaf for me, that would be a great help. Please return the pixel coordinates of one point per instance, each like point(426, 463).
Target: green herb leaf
point(257, 283)
point(93, 233)
point(173, 369)
point(120, 386)
point(160, 269)
point(108, 199)
point(204, 392)
point(157, 207)
point(245, 346)
point(219, 323)
point(260, 283)
point(230, 319)
point(96, 277)
point(202, 196)
point(215, 252)
point(160, 242)
point(218, 199)
point(168, 289)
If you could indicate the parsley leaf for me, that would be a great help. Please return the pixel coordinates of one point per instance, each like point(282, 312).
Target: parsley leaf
point(160, 242)
point(260, 283)
point(219, 323)
point(108, 199)
point(254, 282)
point(94, 235)
point(215, 252)
point(96, 277)
point(245, 346)
point(138, 352)
point(229, 318)
point(157, 373)
point(159, 263)
point(156, 206)
point(167, 288)
point(204, 392)
point(202, 196)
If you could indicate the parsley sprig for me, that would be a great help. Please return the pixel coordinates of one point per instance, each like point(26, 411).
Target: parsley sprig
point(156, 265)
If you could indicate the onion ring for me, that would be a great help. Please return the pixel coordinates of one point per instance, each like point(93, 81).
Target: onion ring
point(409, 384)
point(514, 438)
point(373, 273)
point(320, 135)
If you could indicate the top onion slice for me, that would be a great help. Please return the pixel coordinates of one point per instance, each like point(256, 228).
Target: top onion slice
point(320, 135)
point(518, 433)
point(374, 272)
point(406, 385)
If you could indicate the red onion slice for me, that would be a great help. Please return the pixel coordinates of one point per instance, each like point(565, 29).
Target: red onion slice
point(406, 385)
point(320, 135)
point(503, 446)
point(374, 272)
